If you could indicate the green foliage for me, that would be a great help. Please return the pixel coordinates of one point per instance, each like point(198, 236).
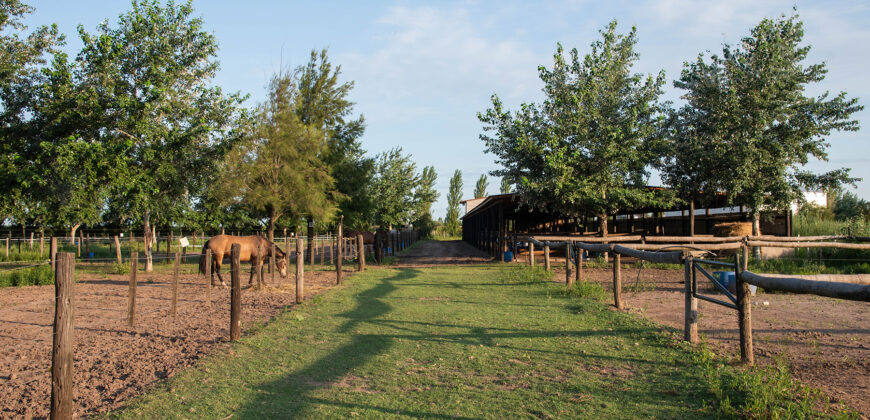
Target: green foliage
point(454, 196)
point(424, 195)
point(586, 148)
point(752, 106)
point(121, 268)
point(323, 103)
point(505, 187)
point(480, 187)
point(848, 206)
point(586, 290)
point(36, 276)
point(767, 392)
point(276, 170)
point(148, 85)
point(394, 186)
point(524, 274)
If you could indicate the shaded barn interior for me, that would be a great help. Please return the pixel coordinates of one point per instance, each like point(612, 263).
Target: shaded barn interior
point(488, 220)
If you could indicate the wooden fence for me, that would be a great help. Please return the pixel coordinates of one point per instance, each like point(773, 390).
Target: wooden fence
point(691, 247)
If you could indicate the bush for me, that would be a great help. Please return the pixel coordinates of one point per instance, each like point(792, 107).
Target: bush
point(523, 274)
point(586, 290)
point(41, 275)
point(121, 268)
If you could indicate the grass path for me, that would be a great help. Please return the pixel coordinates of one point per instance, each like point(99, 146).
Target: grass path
point(452, 342)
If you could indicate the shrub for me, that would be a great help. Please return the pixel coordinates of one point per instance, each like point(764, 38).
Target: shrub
point(586, 290)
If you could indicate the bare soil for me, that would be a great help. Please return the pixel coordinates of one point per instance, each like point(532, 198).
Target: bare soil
point(112, 361)
point(430, 253)
point(825, 342)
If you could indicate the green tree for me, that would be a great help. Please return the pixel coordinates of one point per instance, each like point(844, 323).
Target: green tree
point(849, 206)
point(323, 103)
point(394, 186)
point(22, 57)
point(158, 109)
point(277, 169)
point(770, 127)
point(424, 195)
point(692, 164)
point(587, 148)
point(454, 196)
point(480, 187)
point(505, 187)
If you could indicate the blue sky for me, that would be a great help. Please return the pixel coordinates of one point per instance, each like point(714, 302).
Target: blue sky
point(423, 70)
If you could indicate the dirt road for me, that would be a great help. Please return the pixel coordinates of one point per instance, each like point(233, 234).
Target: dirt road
point(427, 253)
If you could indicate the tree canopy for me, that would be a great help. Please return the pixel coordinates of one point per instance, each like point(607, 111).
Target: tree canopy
point(588, 147)
point(480, 187)
point(454, 196)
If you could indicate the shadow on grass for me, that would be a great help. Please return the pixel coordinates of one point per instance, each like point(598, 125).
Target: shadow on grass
point(298, 393)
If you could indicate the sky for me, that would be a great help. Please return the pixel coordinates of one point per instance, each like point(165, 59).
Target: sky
point(423, 70)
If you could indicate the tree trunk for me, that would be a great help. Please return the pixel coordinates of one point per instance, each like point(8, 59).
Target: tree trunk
point(692, 217)
point(149, 238)
point(72, 233)
point(756, 231)
point(273, 216)
point(602, 229)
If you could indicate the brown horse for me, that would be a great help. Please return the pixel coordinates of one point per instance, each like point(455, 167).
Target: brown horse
point(220, 246)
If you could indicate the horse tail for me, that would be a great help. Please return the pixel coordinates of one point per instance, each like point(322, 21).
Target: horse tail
point(202, 258)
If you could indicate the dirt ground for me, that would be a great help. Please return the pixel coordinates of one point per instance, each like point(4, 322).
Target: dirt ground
point(112, 361)
point(428, 253)
point(825, 342)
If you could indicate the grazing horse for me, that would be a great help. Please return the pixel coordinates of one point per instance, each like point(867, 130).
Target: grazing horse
point(220, 246)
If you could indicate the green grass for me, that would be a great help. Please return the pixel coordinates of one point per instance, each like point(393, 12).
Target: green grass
point(484, 341)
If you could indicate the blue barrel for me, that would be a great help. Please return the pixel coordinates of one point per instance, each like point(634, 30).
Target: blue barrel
point(508, 256)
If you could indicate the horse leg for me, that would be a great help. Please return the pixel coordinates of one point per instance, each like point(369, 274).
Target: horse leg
point(218, 263)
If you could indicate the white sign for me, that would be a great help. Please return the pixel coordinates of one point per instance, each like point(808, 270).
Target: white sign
point(183, 241)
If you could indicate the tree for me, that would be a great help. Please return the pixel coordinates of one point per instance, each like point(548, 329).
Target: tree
point(323, 103)
point(22, 57)
point(505, 186)
point(587, 147)
point(159, 111)
point(480, 187)
point(277, 170)
point(394, 186)
point(454, 196)
point(424, 195)
point(692, 164)
point(769, 126)
point(849, 206)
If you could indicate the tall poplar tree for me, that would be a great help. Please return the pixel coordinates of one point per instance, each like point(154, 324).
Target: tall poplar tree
point(480, 187)
point(454, 196)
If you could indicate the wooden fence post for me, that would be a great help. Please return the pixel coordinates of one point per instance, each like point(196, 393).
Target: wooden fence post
point(7, 243)
point(568, 279)
point(690, 328)
point(41, 243)
point(52, 252)
point(300, 270)
point(63, 338)
point(617, 280)
point(361, 252)
point(579, 266)
point(173, 310)
point(547, 257)
point(744, 316)
point(118, 250)
point(131, 291)
point(340, 254)
point(235, 294)
point(208, 275)
point(79, 245)
point(531, 254)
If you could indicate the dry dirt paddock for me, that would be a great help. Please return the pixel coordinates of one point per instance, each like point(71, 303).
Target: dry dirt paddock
point(112, 361)
point(825, 342)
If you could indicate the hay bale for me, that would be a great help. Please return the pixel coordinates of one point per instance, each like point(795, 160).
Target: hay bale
point(732, 229)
